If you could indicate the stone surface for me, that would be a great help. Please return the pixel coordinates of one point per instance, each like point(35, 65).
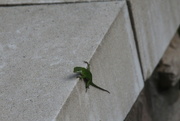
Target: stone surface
point(156, 22)
point(15, 2)
point(115, 67)
point(169, 66)
point(39, 47)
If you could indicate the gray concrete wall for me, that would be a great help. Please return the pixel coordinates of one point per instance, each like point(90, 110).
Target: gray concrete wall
point(40, 45)
point(156, 22)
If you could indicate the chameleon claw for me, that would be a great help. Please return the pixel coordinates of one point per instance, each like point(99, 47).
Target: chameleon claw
point(78, 76)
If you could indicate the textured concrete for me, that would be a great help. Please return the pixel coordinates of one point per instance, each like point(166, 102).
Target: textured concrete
point(15, 2)
point(115, 67)
point(39, 47)
point(156, 22)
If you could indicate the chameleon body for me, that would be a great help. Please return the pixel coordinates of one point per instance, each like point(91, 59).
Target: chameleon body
point(86, 75)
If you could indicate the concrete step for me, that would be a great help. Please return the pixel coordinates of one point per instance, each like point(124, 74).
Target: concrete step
point(40, 46)
point(155, 22)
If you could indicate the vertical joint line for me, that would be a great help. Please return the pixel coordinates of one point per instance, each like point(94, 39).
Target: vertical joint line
point(129, 6)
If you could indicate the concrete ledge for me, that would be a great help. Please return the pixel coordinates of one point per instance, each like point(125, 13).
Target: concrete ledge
point(115, 67)
point(39, 47)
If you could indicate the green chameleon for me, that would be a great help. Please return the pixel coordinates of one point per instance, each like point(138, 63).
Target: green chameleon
point(86, 75)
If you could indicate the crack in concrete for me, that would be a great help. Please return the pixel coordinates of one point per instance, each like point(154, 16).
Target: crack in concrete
point(129, 6)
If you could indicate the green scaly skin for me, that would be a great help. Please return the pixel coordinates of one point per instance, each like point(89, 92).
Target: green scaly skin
point(86, 75)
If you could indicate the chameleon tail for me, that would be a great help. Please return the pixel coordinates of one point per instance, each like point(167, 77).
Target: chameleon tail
point(99, 87)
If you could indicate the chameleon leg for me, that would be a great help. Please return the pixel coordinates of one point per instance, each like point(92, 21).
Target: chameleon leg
point(80, 77)
point(87, 86)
